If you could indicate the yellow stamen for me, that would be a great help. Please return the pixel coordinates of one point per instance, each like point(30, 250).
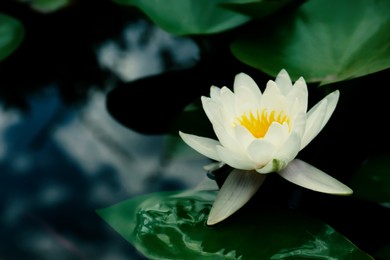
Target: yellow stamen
point(258, 123)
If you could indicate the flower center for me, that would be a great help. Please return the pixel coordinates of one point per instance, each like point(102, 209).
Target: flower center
point(258, 123)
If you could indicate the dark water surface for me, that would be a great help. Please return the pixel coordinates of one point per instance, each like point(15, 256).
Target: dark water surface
point(62, 154)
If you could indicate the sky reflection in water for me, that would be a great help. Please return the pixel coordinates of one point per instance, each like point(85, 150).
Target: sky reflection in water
point(60, 162)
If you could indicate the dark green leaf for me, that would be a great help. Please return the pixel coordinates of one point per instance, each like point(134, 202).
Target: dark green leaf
point(372, 180)
point(257, 8)
point(324, 41)
point(11, 35)
point(171, 225)
point(183, 17)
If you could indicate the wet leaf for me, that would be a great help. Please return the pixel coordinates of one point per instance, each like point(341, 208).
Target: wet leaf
point(172, 225)
point(325, 41)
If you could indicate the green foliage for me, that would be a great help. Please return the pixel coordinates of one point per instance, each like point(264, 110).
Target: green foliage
point(188, 17)
point(257, 8)
point(324, 40)
point(171, 225)
point(11, 35)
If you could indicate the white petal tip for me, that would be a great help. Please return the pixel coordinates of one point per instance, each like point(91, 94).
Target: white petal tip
point(345, 191)
point(237, 190)
point(283, 71)
point(217, 216)
point(307, 176)
point(214, 221)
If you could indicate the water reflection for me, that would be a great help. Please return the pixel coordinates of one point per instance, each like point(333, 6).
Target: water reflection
point(146, 50)
point(61, 160)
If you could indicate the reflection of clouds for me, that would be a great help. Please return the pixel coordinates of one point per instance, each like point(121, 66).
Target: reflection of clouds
point(59, 163)
point(21, 162)
point(14, 209)
point(7, 118)
point(52, 193)
point(144, 50)
point(94, 140)
point(62, 166)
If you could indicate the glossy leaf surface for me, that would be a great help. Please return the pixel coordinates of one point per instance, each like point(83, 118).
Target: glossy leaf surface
point(172, 225)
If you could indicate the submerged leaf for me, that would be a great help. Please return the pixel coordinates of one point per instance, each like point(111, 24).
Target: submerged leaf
point(172, 225)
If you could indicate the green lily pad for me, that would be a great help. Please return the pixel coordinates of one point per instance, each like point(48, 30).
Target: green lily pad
point(372, 180)
point(171, 225)
point(184, 17)
point(11, 35)
point(324, 41)
point(258, 8)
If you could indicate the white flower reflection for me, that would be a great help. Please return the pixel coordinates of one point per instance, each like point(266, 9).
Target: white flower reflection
point(260, 133)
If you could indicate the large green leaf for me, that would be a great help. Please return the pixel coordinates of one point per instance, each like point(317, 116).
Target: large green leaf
point(324, 40)
point(11, 35)
point(171, 225)
point(372, 180)
point(184, 17)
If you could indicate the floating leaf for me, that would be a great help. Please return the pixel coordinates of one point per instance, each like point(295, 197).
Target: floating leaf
point(11, 35)
point(257, 8)
point(172, 225)
point(324, 40)
point(183, 17)
point(372, 180)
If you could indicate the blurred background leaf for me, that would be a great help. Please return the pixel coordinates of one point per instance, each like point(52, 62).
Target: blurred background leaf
point(257, 8)
point(171, 225)
point(188, 17)
point(324, 40)
point(47, 6)
point(11, 35)
point(372, 180)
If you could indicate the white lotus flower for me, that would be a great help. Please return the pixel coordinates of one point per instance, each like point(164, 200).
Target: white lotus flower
point(261, 133)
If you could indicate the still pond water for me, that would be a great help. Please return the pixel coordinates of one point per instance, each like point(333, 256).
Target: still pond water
point(62, 154)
